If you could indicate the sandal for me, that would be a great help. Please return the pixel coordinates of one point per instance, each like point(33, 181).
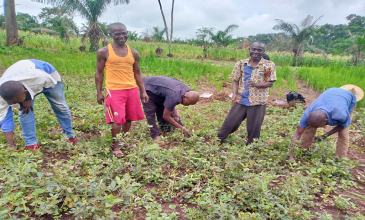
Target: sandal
point(118, 153)
point(35, 147)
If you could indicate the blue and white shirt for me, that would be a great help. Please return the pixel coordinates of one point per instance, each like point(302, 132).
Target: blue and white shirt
point(337, 103)
point(36, 76)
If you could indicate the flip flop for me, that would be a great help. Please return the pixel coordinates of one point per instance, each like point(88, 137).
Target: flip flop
point(118, 153)
point(34, 147)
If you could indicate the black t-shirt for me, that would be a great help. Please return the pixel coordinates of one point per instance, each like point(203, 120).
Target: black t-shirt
point(165, 91)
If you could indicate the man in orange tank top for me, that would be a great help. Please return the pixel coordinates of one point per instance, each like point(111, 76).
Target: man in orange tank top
point(123, 75)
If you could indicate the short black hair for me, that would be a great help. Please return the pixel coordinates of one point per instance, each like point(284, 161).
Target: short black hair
point(10, 89)
point(116, 24)
point(258, 42)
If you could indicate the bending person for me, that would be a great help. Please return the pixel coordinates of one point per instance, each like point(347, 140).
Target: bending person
point(20, 84)
point(164, 94)
point(333, 107)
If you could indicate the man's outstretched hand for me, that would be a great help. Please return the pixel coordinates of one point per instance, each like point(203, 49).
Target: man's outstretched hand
point(185, 131)
point(26, 106)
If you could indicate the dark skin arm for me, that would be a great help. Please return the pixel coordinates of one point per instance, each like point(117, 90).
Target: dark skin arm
point(99, 73)
point(235, 85)
point(294, 140)
point(259, 85)
point(138, 75)
point(336, 129)
point(167, 116)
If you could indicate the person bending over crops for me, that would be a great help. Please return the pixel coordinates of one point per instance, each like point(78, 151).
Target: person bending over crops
point(252, 78)
point(123, 74)
point(333, 107)
point(165, 93)
point(20, 84)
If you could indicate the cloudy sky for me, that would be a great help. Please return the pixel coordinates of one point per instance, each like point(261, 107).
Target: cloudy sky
point(253, 17)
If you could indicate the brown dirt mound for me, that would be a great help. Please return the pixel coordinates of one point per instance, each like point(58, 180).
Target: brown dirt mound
point(221, 96)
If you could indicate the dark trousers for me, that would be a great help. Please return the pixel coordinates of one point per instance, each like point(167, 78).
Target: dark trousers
point(151, 110)
point(255, 116)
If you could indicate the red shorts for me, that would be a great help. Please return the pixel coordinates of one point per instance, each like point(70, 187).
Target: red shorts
point(123, 105)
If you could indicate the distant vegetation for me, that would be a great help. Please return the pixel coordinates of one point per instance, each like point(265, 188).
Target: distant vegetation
point(341, 39)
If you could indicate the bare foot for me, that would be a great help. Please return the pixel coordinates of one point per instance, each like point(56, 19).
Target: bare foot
point(117, 152)
point(158, 141)
point(12, 147)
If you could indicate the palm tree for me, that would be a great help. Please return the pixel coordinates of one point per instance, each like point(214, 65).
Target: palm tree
point(157, 34)
point(11, 23)
point(58, 19)
point(132, 35)
point(222, 38)
point(299, 35)
point(203, 36)
point(164, 21)
point(169, 39)
point(91, 10)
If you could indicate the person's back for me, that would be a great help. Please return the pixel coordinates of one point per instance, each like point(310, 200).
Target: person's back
point(337, 103)
point(119, 70)
point(162, 88)
point(333, 107)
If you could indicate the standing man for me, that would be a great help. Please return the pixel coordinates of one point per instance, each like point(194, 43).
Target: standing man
point(165, 93)
point(252, 78)
point(333, 107)
point(20, 84)
point(123, 74)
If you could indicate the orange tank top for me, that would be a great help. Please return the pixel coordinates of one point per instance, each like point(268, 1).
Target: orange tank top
point(119, 71)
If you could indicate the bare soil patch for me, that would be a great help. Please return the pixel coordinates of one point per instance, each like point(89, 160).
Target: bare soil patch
point(204, 87)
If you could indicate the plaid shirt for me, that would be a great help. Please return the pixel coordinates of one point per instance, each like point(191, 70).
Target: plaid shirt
point(265, 71)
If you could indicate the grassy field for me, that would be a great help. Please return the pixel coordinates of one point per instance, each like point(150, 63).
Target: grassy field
point(191, 178)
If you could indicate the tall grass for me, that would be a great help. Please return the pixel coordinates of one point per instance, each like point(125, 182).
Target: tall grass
point(322, 78)
point(229, 53)
point(317, 71)
point(84, 64)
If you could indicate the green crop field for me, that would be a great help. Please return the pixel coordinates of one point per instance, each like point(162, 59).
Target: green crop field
point(193, 177)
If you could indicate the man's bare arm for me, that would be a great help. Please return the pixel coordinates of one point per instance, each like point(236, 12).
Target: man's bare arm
point(99, 73)
point(167, 116)
point(138, 75)
point(260, 85)
point(294, 141)
point(336, 129)
point(235, 86)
